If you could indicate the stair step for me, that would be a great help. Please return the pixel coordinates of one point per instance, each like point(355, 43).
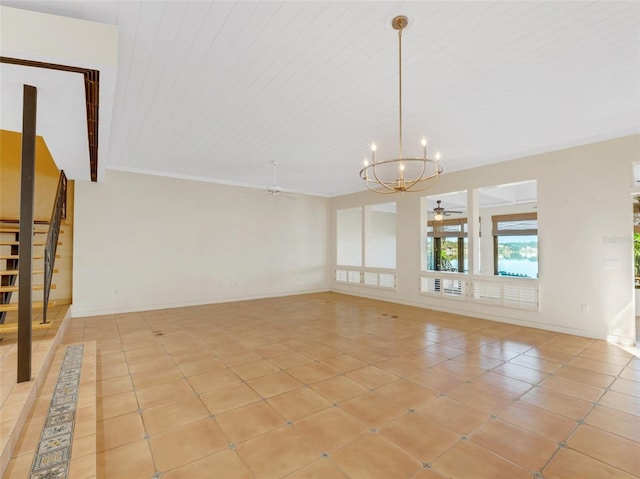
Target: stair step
point(17, 230)
point(14, 289)
point(37, 221)
point(34, 305)
point(17, 243)
point(15, 256)
point(36, 324)
point(14, 272)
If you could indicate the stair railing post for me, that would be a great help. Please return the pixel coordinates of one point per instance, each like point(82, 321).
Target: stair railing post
point(27, 194)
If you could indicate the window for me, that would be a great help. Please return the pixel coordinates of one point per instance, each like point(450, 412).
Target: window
point(636, 235)
point(515, 245)
point(506, 242)
point(447, 245)
point(445, 238)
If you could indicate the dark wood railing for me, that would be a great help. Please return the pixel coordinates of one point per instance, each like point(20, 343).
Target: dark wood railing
point(57, 215)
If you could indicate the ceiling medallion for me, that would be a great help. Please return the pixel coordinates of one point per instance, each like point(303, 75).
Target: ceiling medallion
point(403, 173)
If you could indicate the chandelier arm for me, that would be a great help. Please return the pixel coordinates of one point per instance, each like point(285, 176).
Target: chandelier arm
point(393, 186)
point(396, 160)
point(378, 182)
point(435, 179)
point(422, 179)
point(413, 182)
point(388, 191)
point(368, 182)
point(381, 191)
point(382, 183)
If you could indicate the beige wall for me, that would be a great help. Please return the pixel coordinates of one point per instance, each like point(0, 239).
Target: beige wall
point(146, 242)
point(584, 227)
point(46, 184)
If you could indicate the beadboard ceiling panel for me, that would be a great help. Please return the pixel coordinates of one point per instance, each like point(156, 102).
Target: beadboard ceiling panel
point(219, 90)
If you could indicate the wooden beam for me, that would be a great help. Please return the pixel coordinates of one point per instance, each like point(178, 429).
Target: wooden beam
point(27, 194)
point(92, 100)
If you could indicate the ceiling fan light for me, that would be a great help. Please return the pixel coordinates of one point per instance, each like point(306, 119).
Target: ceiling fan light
point(438, 217)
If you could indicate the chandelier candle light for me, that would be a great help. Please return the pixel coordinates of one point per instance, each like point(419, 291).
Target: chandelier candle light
point(401, 174)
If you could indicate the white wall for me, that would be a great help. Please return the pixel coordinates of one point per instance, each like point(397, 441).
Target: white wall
point(145, 242)
point(380, 239)
point(585, 239)
point(349, 237)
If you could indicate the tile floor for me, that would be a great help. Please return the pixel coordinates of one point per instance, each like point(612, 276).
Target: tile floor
point(16, 399)
point(32, 442)
point(333, 386)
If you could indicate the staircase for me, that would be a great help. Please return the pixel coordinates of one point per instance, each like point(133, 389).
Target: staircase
point(9, 258)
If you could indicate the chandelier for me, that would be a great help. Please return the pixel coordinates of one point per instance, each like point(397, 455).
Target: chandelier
point(401, 174)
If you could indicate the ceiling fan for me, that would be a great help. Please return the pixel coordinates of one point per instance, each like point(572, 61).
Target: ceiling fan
point(441, 212)
point(274, 189)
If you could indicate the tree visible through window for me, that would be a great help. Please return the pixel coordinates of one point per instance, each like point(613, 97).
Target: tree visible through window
point(447, 245)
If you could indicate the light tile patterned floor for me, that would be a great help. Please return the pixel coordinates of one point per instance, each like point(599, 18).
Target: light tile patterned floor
point(53, 452)
point(78, 442)
point(332, 386)
point(16, 399)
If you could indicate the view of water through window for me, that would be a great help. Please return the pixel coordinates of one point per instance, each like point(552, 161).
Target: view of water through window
point(518, 256)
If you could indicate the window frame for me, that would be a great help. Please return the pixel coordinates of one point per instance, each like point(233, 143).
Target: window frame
point(438, 236)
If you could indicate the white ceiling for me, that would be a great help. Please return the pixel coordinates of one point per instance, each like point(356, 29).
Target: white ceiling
point(219, 90)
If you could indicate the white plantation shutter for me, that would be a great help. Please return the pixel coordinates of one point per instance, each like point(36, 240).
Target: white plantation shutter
point(442, 286)
point(354, 277)
point(370, 278)
point(375, 279)
point(454, 287)
point(487, 291)
point(521, 296)
point(387, 280)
